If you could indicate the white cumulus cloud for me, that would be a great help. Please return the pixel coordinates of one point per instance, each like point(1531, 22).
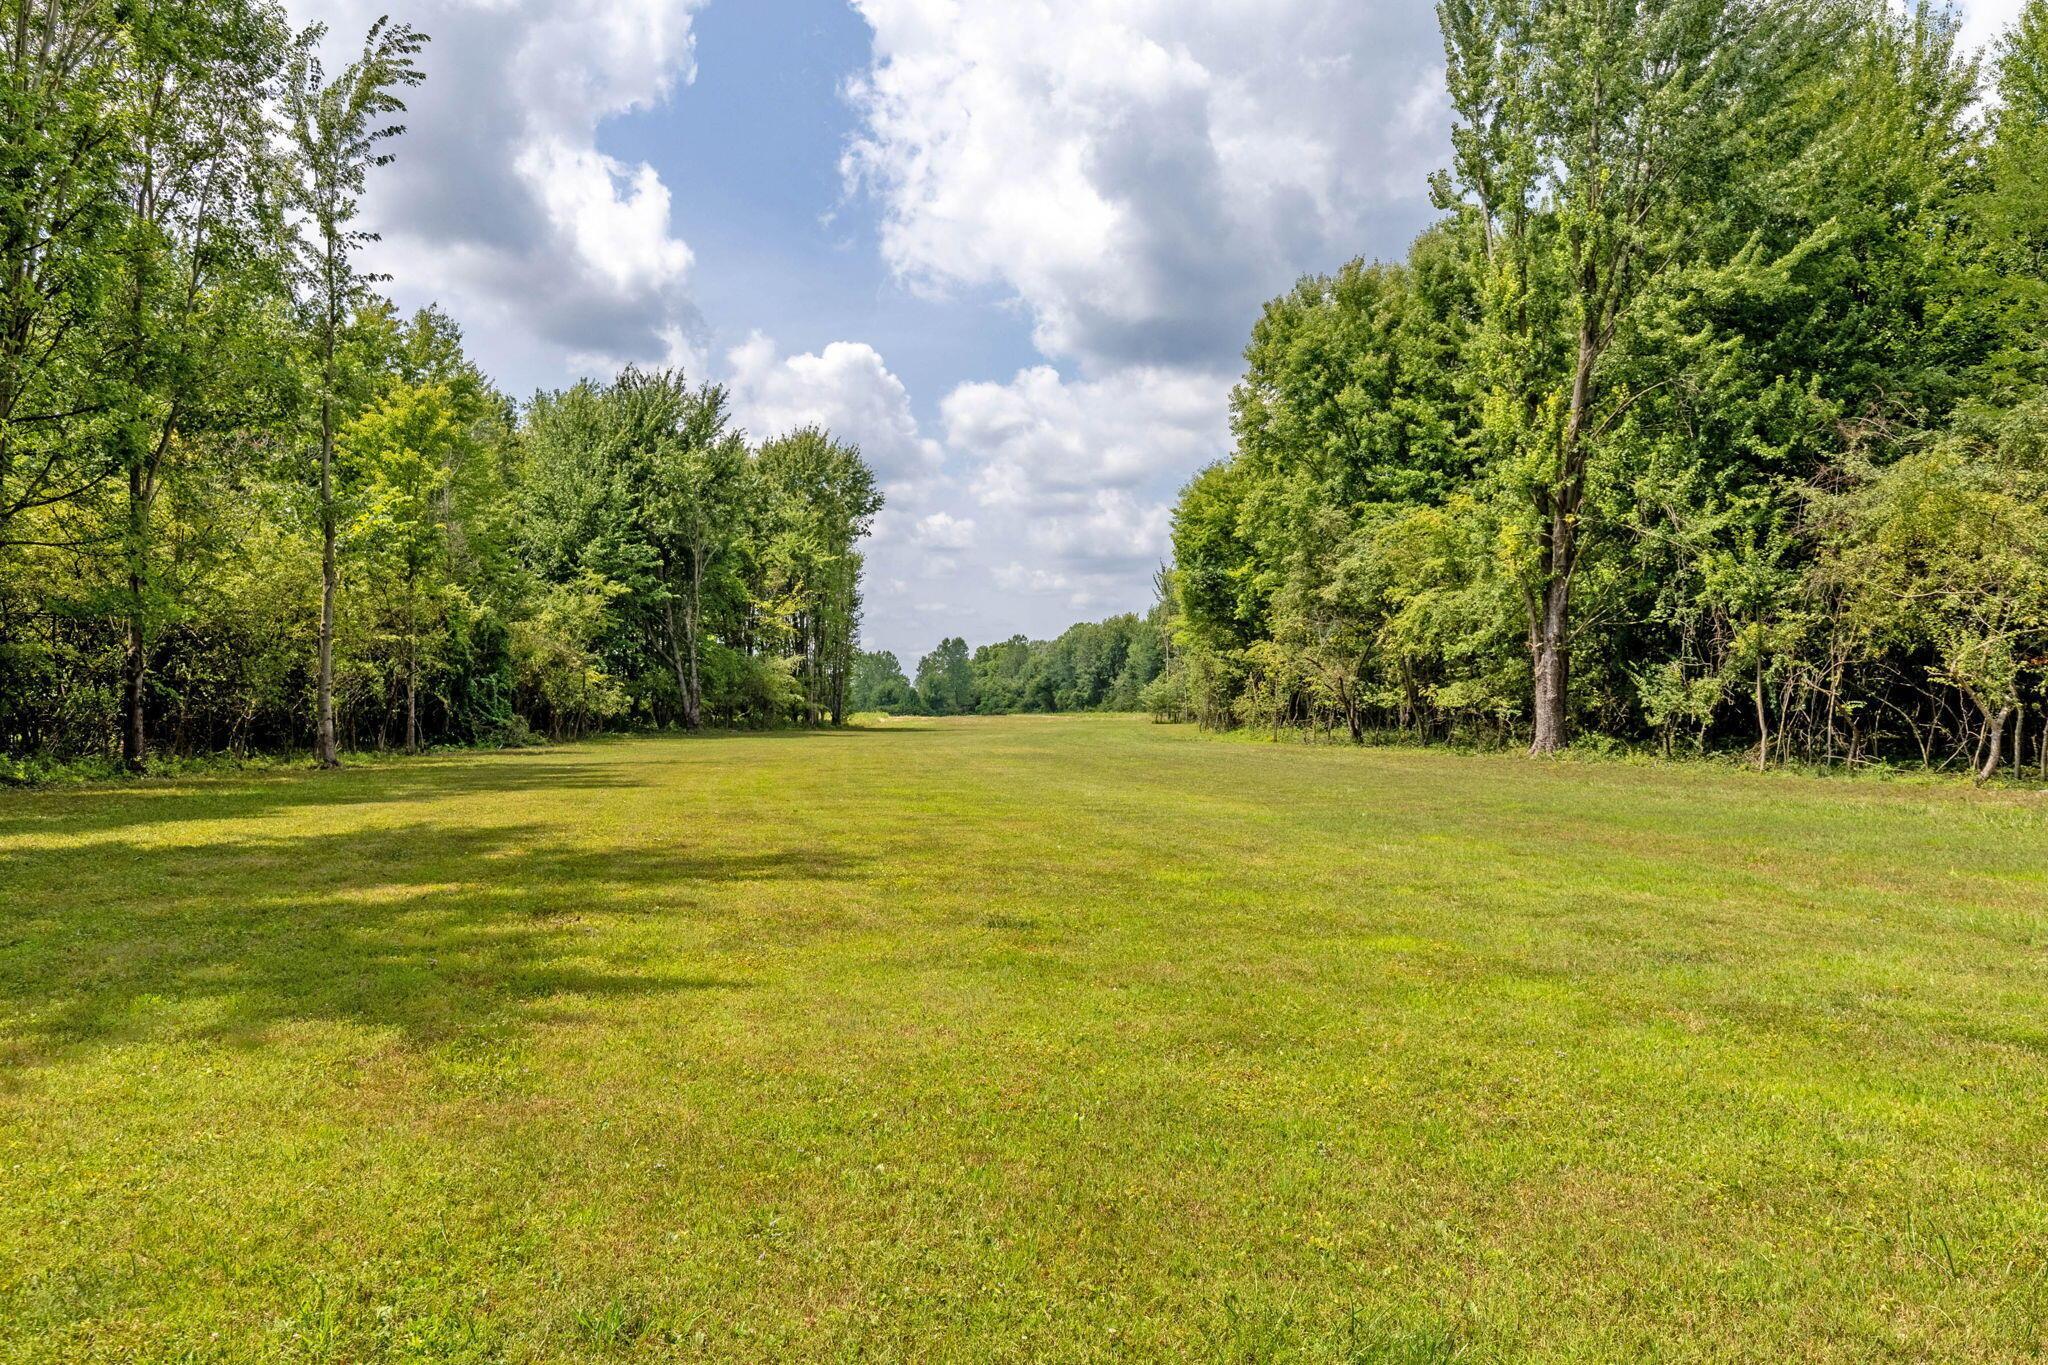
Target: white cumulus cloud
point(1041, 442)
point(1143, 173)
point(845, 388)
point(944, 531)
point(500, 204)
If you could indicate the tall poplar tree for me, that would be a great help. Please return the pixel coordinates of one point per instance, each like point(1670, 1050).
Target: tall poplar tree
point(337, 130)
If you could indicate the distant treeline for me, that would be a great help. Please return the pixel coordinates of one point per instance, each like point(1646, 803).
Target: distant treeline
point(1711, 414)
point(1112, 665)
point(245, 505)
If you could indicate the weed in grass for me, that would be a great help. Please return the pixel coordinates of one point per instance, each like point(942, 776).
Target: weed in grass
point(612, 1325)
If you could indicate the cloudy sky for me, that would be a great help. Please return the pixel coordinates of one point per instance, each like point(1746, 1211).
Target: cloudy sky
point(1011, 247)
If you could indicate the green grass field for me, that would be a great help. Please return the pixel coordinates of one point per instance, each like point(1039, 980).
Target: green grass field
point(1022, 1039)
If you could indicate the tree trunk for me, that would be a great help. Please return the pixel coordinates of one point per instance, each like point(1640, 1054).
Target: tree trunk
point(1785, 717)
point(1763, 719)
point(693, 692)
point(1834, 696)
point(330, 578)
point(682, 655)
point(329, 752)
point(1550, 632)
point(1550, 648)
point(412, 705)
point(133, 734)
point(1994, 742)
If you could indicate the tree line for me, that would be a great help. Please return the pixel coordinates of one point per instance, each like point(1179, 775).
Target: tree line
point(244, 504)
point(1112, 665)
point(1711, 413)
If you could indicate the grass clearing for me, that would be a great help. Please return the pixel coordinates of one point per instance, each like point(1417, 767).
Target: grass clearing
point(1022, 1038)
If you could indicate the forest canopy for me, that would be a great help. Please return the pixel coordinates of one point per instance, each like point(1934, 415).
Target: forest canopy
point(1713, 412)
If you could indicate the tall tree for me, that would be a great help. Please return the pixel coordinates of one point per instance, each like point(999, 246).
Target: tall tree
point(699, 502)
point(822, 499)
point(1593, 140)
point(192, 293)
point(879, 684)
point(407, 454)
point(945, 679)
point(337, 130)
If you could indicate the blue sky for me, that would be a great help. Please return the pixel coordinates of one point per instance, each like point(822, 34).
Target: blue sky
point(1011, 247)
point(790, 252)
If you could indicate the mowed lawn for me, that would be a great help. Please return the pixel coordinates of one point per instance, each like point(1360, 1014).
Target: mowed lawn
point(1022, 1039)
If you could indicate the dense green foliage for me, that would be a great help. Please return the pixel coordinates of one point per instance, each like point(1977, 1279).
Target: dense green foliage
point(1094, 666)
point(1020, 1039)
point(1711, 413)
point(243, 505)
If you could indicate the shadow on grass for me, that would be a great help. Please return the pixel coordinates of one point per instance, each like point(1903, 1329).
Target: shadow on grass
point(232, 796)
point(99, 809)
point(433, 930)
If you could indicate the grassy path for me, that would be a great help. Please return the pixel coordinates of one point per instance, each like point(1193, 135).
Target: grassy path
point(1022, 1039)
